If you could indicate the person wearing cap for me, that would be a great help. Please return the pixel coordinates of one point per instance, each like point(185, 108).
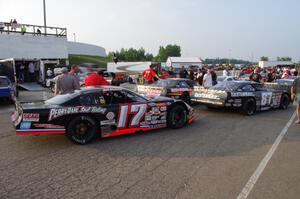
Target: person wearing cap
point(96, 79)
point(255, 76)
point(74, 72)
point(295, 95)
point(149, 75)
point(65, 83)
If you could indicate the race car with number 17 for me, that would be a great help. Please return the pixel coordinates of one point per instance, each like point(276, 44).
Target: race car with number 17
point(100, 112)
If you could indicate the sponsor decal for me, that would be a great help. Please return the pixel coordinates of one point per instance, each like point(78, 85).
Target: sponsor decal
point(241, 94)
point(110, 115)
point(107, 122)
point(163, 108)
point(55, 113)
point(206, 95)
point(161, 104)
point(164, 117)
point(25, 125)
point(111, 89)
point(155, 110)
point(148, 117)
point(48, 126)
point(31, 117)
point(179, 89)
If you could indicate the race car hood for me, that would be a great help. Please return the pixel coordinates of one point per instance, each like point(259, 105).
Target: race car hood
point(149, 90)
point(36, 105)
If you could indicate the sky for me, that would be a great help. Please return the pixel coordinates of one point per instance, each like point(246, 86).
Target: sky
point(245, 29)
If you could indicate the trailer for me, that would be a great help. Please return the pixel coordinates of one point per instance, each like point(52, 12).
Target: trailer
point(17, 70)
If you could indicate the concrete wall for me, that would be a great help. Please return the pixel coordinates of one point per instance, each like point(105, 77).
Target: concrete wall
point(78, 48)
point(29, 47)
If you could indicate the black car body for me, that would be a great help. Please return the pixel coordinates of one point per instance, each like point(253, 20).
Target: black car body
point(176, 88)
point(103, 111)
point(244, 95)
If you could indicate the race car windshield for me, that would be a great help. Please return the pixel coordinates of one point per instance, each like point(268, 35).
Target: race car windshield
point(166, 83)
point(60, 99)
point(229, 86)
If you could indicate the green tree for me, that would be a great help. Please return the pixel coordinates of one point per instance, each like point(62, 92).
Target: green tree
point(284, 59)
point(131, 54)
point(168, 51)
point(264, 58)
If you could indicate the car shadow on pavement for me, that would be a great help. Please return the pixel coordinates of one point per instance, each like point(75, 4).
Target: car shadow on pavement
point(211, 136)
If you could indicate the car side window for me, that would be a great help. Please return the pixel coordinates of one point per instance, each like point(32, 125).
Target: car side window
point(183, 84)
point(122, 96)
point(247, 88)
point(85, 100)
point(98, 99)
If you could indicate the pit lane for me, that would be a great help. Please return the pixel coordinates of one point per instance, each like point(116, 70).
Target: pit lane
point(212, 158)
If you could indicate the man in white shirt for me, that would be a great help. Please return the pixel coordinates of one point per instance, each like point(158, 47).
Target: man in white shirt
point(207, 79)
point(31, 71)
point(225, 72)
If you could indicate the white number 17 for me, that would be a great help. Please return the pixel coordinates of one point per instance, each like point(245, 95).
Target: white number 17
point(138, 111)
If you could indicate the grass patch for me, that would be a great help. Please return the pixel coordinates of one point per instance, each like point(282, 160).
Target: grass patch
point(80, 59)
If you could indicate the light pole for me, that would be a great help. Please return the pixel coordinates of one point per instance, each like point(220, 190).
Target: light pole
point(74, 35)
point(45, 24)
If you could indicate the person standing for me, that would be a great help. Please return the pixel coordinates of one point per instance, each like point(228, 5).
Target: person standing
point(295, 94)
point(183, 73)
point(207, 79)
point(49, 73)
point(96, 79)
point(65, 83)
point(149, 75)
point(31, 70)
point(22, 72)
point(171, 71)
point(255, 76)
point(191, 74)
point(200, 75)
point(214, 76)
point(74, 72)
point(225, 72)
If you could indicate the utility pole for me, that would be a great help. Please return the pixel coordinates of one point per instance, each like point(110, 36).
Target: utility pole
point(74, 36)
point(45, 24)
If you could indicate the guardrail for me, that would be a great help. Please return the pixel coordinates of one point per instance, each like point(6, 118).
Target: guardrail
point(38, 30)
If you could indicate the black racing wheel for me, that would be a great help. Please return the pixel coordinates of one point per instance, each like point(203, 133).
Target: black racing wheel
point(249, 106)
point(285, 101)
point(82, 129)
point(177, 117)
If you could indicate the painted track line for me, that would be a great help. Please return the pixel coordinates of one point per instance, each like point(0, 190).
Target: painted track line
point(262, 165)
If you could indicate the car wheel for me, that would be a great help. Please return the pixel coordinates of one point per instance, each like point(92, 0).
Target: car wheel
point(186, 98)
point(285, 101)
point(82, 129)
point(177, 117)
point(249, 106)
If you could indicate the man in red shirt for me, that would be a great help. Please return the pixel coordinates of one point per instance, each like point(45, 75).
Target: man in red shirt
point(96, 79)
point(149, 75)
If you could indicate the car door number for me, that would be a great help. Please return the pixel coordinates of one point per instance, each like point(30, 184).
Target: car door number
point(266, 98)
point(136, 110)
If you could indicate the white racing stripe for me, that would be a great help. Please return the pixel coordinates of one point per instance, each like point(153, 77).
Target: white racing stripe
point(255, 176)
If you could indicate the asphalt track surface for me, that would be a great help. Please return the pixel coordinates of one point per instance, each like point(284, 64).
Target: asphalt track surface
point(212, 158)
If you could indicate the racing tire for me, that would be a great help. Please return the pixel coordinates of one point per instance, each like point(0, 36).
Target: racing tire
point(82, 129)
point(177, 117)
point(285, 101)
point(186, 98)
point(249, 106)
